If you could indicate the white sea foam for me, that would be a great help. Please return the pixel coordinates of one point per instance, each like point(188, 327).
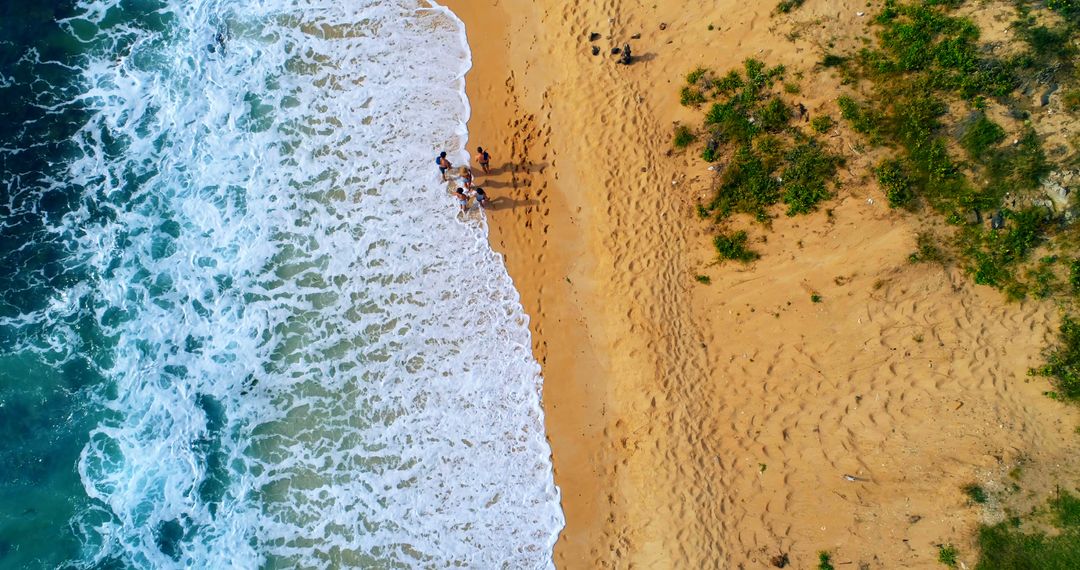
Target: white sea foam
point(316, 362)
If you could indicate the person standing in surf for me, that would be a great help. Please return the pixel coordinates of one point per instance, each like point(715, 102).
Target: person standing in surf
point(443, 163)
point(462, 199)
point(483, 159)
point(466, 177)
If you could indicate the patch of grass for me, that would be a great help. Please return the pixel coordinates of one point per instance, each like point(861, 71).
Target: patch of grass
point(822, 123)
point(691, 96)
point(864, 121)
point(786, 6)
point(1063, 360)
point(794, 89)
point(815, 298)
point(1005, 547)
point(832, 60)
point(1071, 100)
point(703, 279)
point(733, 246)
point(683, 136)
point(947, 555)
point(807, 170)
point(825, 561)
point(976, 493)
point(981, 136)
point(696, 75)
point(895, 183)
point(1074, 276)
point(993, 254)
point(926, 249)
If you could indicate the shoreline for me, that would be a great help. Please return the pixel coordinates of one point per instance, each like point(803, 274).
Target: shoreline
point(713, 425)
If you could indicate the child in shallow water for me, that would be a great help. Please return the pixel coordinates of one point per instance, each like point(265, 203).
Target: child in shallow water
point(466, 177)
point(463, 200)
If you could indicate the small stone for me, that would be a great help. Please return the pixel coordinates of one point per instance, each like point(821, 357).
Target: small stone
point(596, 50)
point(594, 36)
point(616, 51)
point(663, 26)
point(635, 37)
point(860, 14)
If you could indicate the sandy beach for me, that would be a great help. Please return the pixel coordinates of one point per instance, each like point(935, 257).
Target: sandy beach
point(720, 425)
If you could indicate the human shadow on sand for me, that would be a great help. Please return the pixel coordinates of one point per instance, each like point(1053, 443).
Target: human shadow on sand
point(511, 167)
point(507, 203)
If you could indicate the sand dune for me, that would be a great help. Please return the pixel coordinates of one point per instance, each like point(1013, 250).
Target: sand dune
point(713, 426)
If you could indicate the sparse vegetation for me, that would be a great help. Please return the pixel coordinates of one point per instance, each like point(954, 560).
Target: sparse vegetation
point(926, 249)
point(822, 123)
point(733, 246)
point(976, 493)
point(683, 136)
point(1063, 360)
point(786, 6)
point(947, 555)
point(895, 183)
point(825, 561)
point(703, 279)
point(815, 298)
point(1005, 546)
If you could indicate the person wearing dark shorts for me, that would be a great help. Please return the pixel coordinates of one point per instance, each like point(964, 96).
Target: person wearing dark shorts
point(443, 163)
point(483, 159)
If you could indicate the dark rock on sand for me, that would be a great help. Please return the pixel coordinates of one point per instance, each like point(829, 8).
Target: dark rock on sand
point(594, 36)
point(596, 50)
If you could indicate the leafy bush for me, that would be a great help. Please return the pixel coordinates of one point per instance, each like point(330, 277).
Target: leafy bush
point(981, 136)
point(1004, 547)
point(926, 249)
point(947, 555)
point(825, 561)
point(1063, 361)
point(786, 6)
point(833, 60)
point(691, 96)
point(683, 136)
point(822, 123)
point(808, 169)
point(733, 247)
point(703, 279)
point(994, 253)
point(695, 75)
point(895, 183)
point(775, 115)
point(976, 493)
point(1071, 100)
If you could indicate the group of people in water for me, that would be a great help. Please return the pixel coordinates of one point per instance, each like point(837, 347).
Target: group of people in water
point(467, 189)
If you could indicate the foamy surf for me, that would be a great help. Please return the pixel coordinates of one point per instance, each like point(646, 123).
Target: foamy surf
point(305, 358)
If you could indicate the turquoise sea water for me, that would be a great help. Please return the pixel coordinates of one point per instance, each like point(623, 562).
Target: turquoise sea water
point(240, 325)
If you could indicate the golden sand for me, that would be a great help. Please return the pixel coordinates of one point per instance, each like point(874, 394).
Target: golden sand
point(713, 426)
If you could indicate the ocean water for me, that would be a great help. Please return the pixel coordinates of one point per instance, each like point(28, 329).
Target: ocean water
point(241, 324)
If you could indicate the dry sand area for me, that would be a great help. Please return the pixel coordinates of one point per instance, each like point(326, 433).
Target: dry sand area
point(712, 426)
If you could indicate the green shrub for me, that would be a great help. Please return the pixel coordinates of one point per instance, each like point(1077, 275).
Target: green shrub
point(733, 247)
point(926, 249)
point(791, 87)
point(808, 168)
point(683, 136)
point(786, 6)
point(1071, 100)
point(832, 60)
point(691, 96)
point(730, 83)
point(1063, 361)
point(981, 136)
point(1004, 547)
point(976, 493)
point(895, 183)
point(822, 123)
point(947, 555)
point(825, 561)
point(1074, 275)
point(695, 75)
point(994, 253)
point(775, 115)
point(703, 279)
